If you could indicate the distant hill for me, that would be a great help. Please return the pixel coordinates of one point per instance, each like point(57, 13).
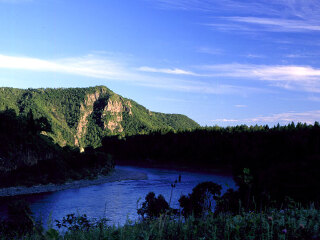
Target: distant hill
point(83, 116)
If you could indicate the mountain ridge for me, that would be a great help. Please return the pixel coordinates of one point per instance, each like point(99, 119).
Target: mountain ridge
point(81, 117)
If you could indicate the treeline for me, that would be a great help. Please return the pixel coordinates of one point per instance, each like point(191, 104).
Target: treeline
point(283, 161)
point(21, 142)
point(28, 156)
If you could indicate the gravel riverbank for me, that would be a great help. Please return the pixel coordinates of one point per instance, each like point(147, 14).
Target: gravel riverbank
point(116, 175)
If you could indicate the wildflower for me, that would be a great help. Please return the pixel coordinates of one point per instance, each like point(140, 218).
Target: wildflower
point(284, 231)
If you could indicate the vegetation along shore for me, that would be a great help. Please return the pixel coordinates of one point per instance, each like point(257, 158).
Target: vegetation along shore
point(54, 139)
point(114, 176)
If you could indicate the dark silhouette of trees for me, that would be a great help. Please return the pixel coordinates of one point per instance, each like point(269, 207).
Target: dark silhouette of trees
point(42, 124)
point(153, 206)
point(19, 220)
point(282, 160)
point(201, 200)
point(28, 157)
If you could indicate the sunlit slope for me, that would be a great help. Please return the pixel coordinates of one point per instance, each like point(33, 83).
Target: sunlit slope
point(82, 116)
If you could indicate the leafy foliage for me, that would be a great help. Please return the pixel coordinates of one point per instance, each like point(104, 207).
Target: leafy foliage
point(64, 107)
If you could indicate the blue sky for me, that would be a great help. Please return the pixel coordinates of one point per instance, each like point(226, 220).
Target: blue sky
point(220, 62)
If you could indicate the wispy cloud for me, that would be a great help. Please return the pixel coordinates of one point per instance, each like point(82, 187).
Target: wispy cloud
point(260, 15)
point(217, 6)
point(270, 24)
point(314, 54)
point(89, 65)
point(211, 51)
point(314, 98)
point(289, 77)
point(308, 117)
point(240, 106)
point(114, 70)
point(224, 120)
point(304, 78)
point(175, 71)
point(254, 56)
point(295, 56)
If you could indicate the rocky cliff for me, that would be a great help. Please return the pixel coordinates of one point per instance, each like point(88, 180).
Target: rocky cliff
point(83, 116)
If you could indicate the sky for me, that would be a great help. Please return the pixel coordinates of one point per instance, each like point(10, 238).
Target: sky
point(220, 62)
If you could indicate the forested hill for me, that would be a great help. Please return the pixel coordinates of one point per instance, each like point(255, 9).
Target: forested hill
point(83, 116)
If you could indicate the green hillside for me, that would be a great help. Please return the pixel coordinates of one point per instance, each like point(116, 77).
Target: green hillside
point(82, 116)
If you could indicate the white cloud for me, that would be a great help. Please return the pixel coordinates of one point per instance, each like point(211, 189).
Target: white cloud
point(112, 70)
point(276, 24)
point(225, 120)
point(295, 56)
point(240, 106)
point(175, 71)
point(308, 117)
point(89, 65)
point(305, 78)
point(218, 6)
point(211, 51)
point(260, 15)
point(254, 56)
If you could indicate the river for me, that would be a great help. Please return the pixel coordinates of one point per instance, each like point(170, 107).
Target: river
point(118, 201)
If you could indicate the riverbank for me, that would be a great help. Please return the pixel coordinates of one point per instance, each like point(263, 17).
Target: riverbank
point(115, 176)
point(219, 170)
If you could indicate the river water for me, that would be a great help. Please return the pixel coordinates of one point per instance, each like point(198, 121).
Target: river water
point(118, 201)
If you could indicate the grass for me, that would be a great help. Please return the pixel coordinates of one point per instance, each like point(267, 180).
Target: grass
point(298, 223)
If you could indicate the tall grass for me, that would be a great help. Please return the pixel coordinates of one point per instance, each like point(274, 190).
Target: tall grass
point(298, 223)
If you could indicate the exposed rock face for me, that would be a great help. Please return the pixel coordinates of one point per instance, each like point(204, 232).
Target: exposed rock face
point(82, 125)
point(111, 115)
point(113, 125)
point(85, 110)
point(80, 116)
point(115, 109)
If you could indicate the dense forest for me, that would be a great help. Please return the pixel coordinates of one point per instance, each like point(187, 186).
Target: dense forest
point(29, 157)
point(282, 161)
point(81, 117)
point(42, 132)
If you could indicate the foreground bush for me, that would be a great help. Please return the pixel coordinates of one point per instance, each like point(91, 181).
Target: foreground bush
point(272, 224)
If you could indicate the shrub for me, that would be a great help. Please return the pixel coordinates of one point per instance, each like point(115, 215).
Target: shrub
point(201, 200)
point(153, 206)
